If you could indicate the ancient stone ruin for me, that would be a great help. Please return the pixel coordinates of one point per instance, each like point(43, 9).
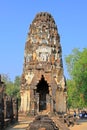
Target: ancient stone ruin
point(42, 123)
point(8, 107)
point(43, 85)
point(2, 88)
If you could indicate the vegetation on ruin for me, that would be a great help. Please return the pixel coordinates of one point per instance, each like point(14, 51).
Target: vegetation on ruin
point(77, 84)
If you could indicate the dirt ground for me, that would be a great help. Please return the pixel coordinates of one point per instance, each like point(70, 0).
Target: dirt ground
point(17, 127)
point(81, 125)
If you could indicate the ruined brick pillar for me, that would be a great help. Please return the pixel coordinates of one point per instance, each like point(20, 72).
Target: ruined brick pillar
point(43, 85)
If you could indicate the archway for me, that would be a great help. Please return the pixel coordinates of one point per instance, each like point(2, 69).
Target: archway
point(43, 90)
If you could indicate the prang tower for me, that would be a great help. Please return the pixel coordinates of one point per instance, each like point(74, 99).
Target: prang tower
point(43, 85)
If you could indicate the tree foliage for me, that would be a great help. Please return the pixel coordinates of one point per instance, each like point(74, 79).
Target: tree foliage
point(12, 88)
point(77, 85)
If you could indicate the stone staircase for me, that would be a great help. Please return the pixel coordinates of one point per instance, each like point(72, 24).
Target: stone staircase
point(59, 123)
point(44, 112)
point(22, 117)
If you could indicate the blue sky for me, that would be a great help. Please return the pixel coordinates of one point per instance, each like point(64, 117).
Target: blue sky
point(16, 17)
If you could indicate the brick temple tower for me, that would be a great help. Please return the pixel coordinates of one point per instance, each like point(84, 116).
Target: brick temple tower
point(43, 85)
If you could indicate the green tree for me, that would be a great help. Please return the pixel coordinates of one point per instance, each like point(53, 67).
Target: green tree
point(5, 78)
point(77, 68)
point(17, 86)
point(12, 88)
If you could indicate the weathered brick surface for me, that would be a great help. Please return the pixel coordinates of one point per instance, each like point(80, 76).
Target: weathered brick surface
point(42, 123)
point(43, 68)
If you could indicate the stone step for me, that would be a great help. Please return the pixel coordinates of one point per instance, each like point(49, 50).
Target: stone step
point(44, 112)
point(23, 117)
point(59, 123)
point(42, 122)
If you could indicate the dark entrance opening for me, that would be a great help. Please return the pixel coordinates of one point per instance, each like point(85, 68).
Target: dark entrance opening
point(43, 90)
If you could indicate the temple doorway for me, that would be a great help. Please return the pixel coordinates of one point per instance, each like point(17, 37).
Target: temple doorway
point(43, 90)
